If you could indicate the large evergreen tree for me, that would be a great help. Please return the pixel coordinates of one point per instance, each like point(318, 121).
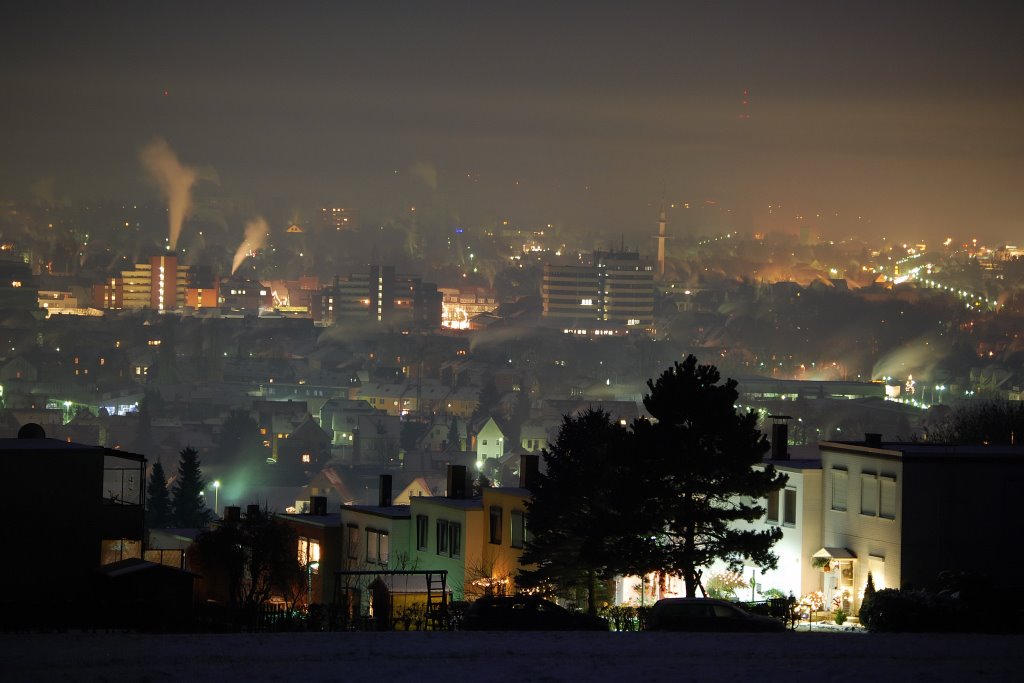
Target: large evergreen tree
point(699, 455)
point(189, 507)
point(158, 500)
point(584, 516)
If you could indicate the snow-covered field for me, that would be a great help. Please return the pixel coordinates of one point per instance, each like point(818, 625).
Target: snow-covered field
point(524, 658)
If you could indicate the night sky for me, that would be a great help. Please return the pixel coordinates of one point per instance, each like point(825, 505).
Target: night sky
point(903, 118)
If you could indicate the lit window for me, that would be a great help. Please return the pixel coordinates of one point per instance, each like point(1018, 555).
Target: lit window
point(306, 457)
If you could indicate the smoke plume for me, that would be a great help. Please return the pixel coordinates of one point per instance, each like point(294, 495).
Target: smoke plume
point(255, 237)
point(174, 180)
point(426, 172)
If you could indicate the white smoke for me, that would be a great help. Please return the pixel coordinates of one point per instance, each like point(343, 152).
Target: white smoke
point(174, 180)
point(255, 237)
point(426, 172)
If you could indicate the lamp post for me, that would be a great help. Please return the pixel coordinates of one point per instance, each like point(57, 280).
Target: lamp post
point(216, 496)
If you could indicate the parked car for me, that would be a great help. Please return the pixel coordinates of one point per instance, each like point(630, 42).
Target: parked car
point(706, 614)
point(526, 613)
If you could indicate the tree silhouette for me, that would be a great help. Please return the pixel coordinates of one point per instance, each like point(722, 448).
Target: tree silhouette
point(987, 422)
point(256, 557)
point(239, 440)
point(453, 441)
point(158, 500)
point(189, 508)
point(582, 515)
point(698, 457)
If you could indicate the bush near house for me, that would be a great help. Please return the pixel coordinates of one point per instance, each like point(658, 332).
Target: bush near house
point(894, 610)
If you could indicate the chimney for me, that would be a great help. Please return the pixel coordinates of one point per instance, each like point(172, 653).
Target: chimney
point(252, 511)
point(456, 481)
point(780, 437)
point(232, 514)
point(873, 440)
point(529, 468)
point(318, 505)
point(384, 491)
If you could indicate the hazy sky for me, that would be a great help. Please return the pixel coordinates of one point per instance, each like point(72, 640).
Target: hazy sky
point(907, 114)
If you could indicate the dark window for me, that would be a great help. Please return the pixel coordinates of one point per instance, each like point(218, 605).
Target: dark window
point(789, 507)
point(421, 532)
point(455, 539)
point(353, 542)
point(495, 524)
point(518, 529)
point(772, 515)
point(442, 537)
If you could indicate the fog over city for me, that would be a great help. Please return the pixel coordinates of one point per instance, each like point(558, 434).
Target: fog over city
point(874, 119)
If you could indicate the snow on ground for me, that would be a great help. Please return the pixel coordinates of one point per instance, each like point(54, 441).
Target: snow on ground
point(522, 657)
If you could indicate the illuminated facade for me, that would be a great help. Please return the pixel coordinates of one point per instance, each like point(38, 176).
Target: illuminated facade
point(378, 296)
point(159, 285)
point(459, 307)
point(615, 291)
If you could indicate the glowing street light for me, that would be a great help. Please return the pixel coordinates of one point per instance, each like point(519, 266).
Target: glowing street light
point(216, 496)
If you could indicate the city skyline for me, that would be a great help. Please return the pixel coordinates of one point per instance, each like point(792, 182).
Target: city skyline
point(851, 119)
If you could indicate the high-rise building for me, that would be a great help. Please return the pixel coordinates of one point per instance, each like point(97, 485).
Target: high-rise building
point(611, 292)
point(378, 296)
point(158, 285)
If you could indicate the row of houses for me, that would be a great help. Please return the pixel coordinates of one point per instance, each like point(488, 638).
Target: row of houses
point(475, 542)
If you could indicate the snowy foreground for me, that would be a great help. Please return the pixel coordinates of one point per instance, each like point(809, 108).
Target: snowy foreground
point(524, 658)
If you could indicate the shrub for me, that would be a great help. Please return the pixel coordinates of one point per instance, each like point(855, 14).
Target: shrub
point(840, 617)
point(894, 610)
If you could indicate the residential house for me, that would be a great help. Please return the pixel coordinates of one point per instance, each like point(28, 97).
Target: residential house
point(447, 533)
point(504, 510)
point(339, 418)
point(71, 508)
point(305, 449)
point(320, 541)
point(905, 512)
point(490, 442)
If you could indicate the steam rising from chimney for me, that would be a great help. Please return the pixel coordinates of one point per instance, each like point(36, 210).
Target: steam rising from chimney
point(255, 237)
point(174, 180)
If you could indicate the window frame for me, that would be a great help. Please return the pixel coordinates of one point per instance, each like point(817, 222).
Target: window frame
point(422, 532)
point(495, 517)
point(789, 499)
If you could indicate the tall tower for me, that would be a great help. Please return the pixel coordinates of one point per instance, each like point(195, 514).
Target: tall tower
point(661, 237)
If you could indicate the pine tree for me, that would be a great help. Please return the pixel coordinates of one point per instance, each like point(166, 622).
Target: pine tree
point(158, 500)
point(189, 507)
point(454, 442)
point(699, 457)
point(583, 514)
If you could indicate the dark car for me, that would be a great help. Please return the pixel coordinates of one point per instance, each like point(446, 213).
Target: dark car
point(526, 613)
point(706, 614)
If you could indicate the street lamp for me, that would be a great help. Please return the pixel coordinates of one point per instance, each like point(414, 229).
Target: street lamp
point(216, 496)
